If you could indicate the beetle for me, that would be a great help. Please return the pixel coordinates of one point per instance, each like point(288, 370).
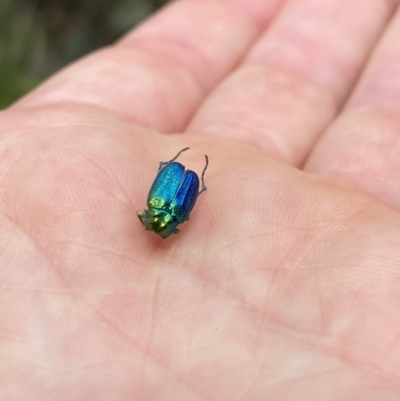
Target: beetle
point(172, 197)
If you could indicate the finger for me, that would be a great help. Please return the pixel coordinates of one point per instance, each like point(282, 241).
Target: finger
point(363, 145)
point(297, 76)
point(158, 74)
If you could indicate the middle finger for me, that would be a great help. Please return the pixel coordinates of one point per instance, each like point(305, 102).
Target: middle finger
point(297, 76)
point(362, 146)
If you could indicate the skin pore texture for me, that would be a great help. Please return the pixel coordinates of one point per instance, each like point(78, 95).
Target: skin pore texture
point(284, 284)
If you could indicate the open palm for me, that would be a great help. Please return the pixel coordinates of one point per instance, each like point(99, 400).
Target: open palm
point(285, 283)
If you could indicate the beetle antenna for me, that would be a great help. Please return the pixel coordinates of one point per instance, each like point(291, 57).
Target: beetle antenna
point(163, 164)
point(203, 185)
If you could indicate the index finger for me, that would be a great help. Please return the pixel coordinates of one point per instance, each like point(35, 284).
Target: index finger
point(159, 73)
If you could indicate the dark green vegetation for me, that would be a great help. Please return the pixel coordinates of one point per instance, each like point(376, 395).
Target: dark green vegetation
point(37, 37)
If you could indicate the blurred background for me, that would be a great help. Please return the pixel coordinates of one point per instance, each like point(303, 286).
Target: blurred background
point(38, 37)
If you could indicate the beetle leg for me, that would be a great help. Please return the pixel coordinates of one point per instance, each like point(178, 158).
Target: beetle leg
point(163, 164)
point(141, 215)
point(203, 185)
point(177, 231)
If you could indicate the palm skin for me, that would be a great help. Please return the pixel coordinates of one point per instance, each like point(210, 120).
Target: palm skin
point(284, 285)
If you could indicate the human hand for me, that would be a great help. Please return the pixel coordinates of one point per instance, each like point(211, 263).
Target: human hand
point(285, 283)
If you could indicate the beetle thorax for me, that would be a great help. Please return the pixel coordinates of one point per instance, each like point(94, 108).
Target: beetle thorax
point(160, 222)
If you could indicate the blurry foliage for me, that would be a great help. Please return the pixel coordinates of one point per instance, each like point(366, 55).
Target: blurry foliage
point(37, 37)
point(22, 46)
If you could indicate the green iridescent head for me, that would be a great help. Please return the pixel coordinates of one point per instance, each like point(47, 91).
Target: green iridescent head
point(158, 221)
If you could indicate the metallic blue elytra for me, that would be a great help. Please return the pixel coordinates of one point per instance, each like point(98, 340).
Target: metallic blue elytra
point(171, 197)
